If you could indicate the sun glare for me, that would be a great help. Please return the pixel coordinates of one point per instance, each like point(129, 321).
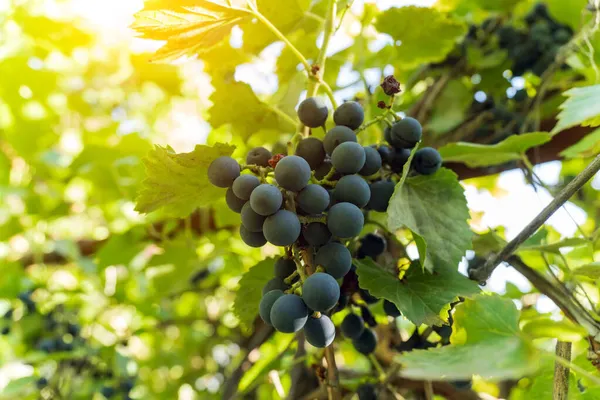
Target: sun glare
point(113, 15)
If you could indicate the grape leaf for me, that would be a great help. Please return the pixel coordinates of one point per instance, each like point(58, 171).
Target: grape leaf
point(286, 18)
point(435, 208)
point(582, 104)
point(418, 45)
point(589, 146)
point(191, 29)
point(235, 103)
point(178, 183)
point(420, 295)
point(591, 270)
point(249, 293)
point(555, 247)
point(544, 327)
point(483, 318)
point(512, 358)
point(567, 12)
point(479, 155)
point(450, 107)
point(482, 325)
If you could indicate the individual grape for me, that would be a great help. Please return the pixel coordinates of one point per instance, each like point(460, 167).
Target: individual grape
point(348, 158)
point(337, 136)
point(368, 297)
point(342, 303)
point(320, 292)
point(107, 391)
point(349, 114)
point(386, 153)
point(319, 332)
point(312, 150)
point(381, 193)
point(562, 36)
point(275, 284)
point(366, 392)
point(366, 342)
point(367, 316)
point(316, 234)
point(399, 158)
point(427, 161)
point(462, 385)
point(234, 203)
point(445, 331)
point(352, 326)
point(391, 309)
point(259, 156)
point(322, 170)
point(282, 228)
point(266, 303)
point(292, 173)
point(266, 199)
point(313, 199)
point(345, 220)
point(313, 112)
point(223, 171)
point(406, 133)
point(244, 185)
point(335, 258)
point(284, 267)
point(41, 383)
point(289, 313)
point(373, 162)
point(252, 239)
point(252, 221)
point(371, 245)
point(352, 189)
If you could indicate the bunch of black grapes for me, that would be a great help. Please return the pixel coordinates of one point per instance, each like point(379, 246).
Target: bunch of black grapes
point(314, 201)
point(535, 47)
point(58, 332)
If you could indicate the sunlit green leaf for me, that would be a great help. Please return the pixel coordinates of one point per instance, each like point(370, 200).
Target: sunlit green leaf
point(417, 45)
point(249, 293)
point(479, 155)
point(582, 104)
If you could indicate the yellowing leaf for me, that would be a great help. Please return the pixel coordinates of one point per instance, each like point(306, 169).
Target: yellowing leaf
point(179, 182)
point(191, 29)
point(425, 34)
point(479, 155)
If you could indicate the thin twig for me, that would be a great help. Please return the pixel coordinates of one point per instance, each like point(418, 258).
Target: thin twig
point(333, 380)
point(561, 372)
point(560, 295)
point(428, 390)
point(483, 273)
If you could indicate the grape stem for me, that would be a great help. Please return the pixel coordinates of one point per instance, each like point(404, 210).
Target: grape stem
point(382, 117)
point(318, 68)
point(313, 73)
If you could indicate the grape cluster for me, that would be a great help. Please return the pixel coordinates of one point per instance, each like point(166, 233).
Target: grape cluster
point(535, 47)
point(312, 203)
point(59, 335)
